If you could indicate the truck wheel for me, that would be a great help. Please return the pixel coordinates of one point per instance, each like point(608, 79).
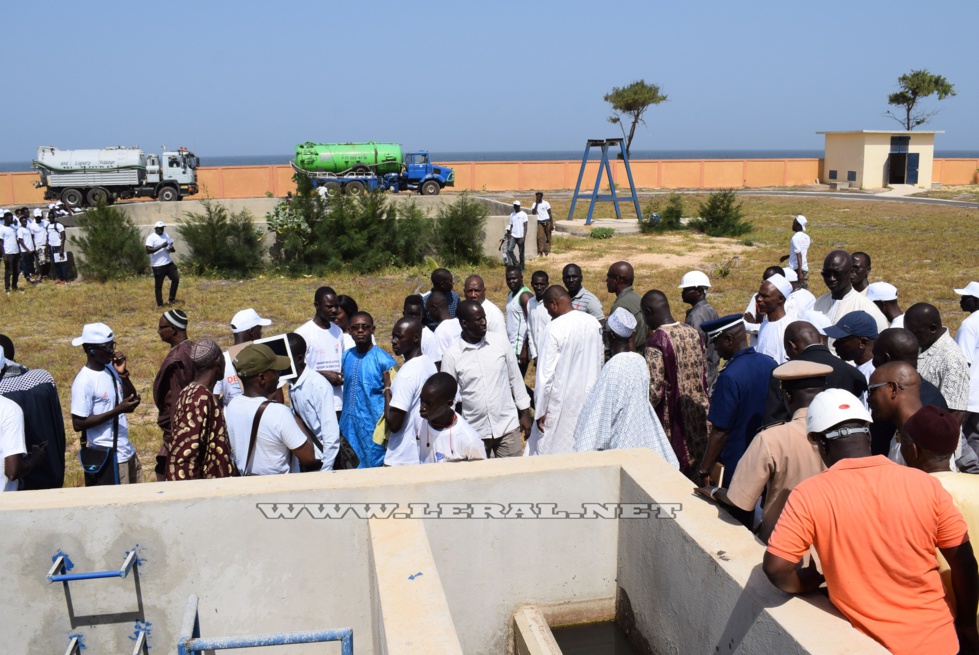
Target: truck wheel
point(355, 188)
point(167, 194)
point(430, 188)
point(332, 188)
point(96, 196)
point(72, 197)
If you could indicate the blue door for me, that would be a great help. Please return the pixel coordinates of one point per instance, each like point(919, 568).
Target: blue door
point(912, 177)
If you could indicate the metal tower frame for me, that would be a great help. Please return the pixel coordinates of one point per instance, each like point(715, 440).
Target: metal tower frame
point(604, 166)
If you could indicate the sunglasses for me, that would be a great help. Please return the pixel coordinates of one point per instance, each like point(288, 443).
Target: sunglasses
point(884, 384)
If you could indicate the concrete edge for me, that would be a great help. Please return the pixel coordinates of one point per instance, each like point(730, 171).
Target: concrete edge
point(531, 634)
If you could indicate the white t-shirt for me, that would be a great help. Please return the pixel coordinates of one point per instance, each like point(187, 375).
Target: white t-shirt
point(40, 232)
point(228, 387)
point(55, 232)
point(456, 443)
point(798, 247)
point(12, 438)
point(518, 224)
point(9, 236)
point(278, 435)
point(97, 392)
point(543, 211)
point(162, 256)
point(324, 352)
point(447, 333)
point(430, 345)
point(24, 234)
point(406, 390)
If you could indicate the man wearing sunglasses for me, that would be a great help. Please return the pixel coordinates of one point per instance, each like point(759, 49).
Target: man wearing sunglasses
point(875, 526)
point(842, 298)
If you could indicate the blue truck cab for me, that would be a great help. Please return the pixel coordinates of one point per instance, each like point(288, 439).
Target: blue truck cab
point(418, 173)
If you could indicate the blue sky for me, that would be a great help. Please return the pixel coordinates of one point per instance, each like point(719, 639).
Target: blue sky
point(251, 78)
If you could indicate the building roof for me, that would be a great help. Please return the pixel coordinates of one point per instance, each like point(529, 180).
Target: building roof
point(885, 132)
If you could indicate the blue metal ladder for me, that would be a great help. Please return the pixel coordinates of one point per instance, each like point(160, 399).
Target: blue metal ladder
point(59, 573)
point(191, 642)
point(605, 167)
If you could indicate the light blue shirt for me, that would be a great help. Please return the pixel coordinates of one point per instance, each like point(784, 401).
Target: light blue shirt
point(311, 397)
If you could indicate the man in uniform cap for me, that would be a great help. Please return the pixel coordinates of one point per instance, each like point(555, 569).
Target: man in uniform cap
point(693, 291)
point(779, 457)
point(737, 407)
point(968, 340)
point(875, 526)
point(620, 332)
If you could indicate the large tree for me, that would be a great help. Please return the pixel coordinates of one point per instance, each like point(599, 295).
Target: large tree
point(632, 101)
point(915, 86)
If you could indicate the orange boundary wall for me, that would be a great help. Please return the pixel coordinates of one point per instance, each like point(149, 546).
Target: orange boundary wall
point(256, 181)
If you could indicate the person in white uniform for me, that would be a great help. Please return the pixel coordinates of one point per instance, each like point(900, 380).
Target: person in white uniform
point(324, 342)
point(569, 363)
point(798, 250)
point(516, 233)
point(884, 296)
point(842, 298)
point(771, 300)
point(159, 245)
point(402, 396)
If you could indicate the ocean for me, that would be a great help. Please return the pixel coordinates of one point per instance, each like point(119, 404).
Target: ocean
point(533, 155)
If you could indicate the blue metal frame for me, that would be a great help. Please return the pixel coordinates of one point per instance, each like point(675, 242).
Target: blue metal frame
point(605, 167)
point(64, 576)
point(191, 642)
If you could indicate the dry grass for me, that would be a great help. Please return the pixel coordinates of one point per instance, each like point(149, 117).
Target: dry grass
point(968, 193)
point(925, 251)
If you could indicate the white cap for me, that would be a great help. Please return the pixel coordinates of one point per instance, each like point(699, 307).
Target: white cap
point(791, 275)
point(802, 221)
point(516, 203)
point(94, 333)
point(159, 224)
point(780, 283)
point(819, 320)
point(971, 289)
point(246, 319)
point(622, 322)
point(694, 279)
point(884, 291)
point(51, 206)
point(37, 212)
point(832, 407)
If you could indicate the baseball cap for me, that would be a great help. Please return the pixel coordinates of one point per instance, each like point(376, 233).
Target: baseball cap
point(883, 291)
point(971, 289)
point(854, 324)
point(622, 322)
point(516, 202)
point(258, 358)
point(802, 221)
point(832, 407)
point(159, 224)
point(719, 326)
point(37, 212)
point(94, 333)
point(933, 429)
point(694, 279)
point(246, 319)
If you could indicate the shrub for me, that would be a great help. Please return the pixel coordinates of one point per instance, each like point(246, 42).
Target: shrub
point(110, 245)
point(220, 242)
point(667, 220)
point(459, 231)
point(722, 216)
point(602, 233)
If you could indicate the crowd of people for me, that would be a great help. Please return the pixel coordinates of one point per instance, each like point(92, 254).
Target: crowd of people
point(841, 430)
point(34, 245)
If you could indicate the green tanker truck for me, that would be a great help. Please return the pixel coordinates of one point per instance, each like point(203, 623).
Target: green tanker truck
point(357, 167)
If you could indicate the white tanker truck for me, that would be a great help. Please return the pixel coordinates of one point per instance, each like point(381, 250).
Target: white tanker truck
point(80, 177)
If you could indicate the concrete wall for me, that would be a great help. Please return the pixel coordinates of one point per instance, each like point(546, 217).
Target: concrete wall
point(867, 154)
point(844, 153)
point(693, 580)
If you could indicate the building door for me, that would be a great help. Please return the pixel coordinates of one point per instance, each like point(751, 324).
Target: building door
point(912, 176)
point(897, 161)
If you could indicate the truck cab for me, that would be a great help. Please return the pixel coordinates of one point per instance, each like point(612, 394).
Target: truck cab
point(421, 174)
point(176, 171)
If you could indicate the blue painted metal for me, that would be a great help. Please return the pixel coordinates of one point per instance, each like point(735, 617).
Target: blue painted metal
point(605, 167)
point(142, 646)
point(74, 646)
point(190, 640)
point(64, 576)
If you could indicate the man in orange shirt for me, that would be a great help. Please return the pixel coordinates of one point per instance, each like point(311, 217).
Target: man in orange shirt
point(875, 526)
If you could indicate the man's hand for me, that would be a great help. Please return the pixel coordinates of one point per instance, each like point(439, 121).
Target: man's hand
point(526, 423)
point(705, 491)
point(540, 423)
point(783, 258)
point(333, 377)
point(119, 363)
point(386, 376)
point(128, 404)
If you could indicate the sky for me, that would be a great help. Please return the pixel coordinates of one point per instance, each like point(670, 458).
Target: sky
point(256, 78)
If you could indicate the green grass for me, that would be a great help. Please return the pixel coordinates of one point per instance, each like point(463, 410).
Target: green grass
point(923, 250)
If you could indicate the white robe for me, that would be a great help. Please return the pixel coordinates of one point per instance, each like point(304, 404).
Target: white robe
point(495, 321)
point(537, 321)
point(568, 365)
point(771, 338)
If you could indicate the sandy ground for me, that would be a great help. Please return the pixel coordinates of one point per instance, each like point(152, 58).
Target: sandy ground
point(706, 254)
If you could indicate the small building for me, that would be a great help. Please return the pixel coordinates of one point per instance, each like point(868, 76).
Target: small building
point(873, 159)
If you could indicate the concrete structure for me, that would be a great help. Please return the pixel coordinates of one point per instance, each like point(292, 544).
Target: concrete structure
point(874, 159)
point(686, 579)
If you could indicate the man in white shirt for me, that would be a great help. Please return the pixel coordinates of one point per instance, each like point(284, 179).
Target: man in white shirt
point(56, 243)
point(159, 245)
point(884, 296)
point(447, 329)
point(324, 342)
point(25, 239)
point(443, 435)
point(14, 460)
point(568, 365)
point(517, 232)
point(402, 397)
point(246, 326)
point(537, 316)
point(101, 396)
point(475, 289)
point(11, 253)
point(277, 434)
point(967, 339)
point(798, 250)
point(545, 226)
point(39, 229)
point(771, 301)
point(311, 399)
point(842, 298)
point(492, 391)
point(800, 300)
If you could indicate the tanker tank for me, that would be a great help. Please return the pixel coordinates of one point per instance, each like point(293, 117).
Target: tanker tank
point(339, 158)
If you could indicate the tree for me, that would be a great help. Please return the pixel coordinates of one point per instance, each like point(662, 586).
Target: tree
point(915, 86)
point(632, 101)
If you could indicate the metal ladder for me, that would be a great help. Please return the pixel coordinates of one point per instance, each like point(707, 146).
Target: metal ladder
point(59, 573)
point(191, 642)
point(605, 167)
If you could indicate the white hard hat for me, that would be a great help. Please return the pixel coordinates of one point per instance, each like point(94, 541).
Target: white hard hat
point(832, 407)
point(695, 279)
